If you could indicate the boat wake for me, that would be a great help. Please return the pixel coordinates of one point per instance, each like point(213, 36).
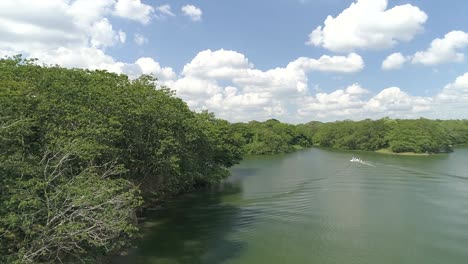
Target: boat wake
point(358, 160)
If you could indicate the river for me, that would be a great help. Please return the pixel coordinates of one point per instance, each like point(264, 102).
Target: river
point(314, 206)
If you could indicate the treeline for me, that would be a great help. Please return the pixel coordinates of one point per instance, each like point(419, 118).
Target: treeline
point(81, 151)
point(391, 135)
point(395, 135)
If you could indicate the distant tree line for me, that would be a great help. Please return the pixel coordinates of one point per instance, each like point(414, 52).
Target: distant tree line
point(396, 135)
point(81, 151)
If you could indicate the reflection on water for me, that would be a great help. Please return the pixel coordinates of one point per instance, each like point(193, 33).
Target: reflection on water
point(192, 229)
point(314, 206)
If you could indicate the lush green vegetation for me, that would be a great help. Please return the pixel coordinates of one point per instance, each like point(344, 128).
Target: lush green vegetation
point(393, 135)
point(78, 151)
point(271, 137)
point(418, 135)
point(81, 151)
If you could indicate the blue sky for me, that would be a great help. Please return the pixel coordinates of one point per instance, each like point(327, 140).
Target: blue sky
point(240, 59)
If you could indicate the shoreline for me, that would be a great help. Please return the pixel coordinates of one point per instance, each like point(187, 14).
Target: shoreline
point(380, 151)
point(388, 151)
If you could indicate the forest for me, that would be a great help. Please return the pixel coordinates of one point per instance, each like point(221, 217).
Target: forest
point(391, 135)
point(394, 135)
point(82, 152)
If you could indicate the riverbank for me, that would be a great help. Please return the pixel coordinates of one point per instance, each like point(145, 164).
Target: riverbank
point(388, 151)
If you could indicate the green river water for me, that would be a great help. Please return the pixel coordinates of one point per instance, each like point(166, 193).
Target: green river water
point(315, 206)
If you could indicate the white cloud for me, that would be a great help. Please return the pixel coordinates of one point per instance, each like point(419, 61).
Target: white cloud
point(355, 90)
point(346, 64)
point(453, 99)
point(233, 65)
point(84, 57)
point(164, 11)
point(122, 36)
point(93, 58)
point(235, 105)
point(368, 24)
point(72, 34)
point(340, 103)
point(139, 39)
point(150, 66)
point(49, 25)
point(394, 102)
point(347, 104)
point(443, 50)
point(456, 91)
point(40, 24)
point(394, 61)
point(193, 12)
point(134, 9)
point(103, 35)
point(226, 82)
point(217, 64)
point(82, 11)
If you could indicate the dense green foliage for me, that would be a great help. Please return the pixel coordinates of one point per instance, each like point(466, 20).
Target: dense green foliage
point(365, 135)
point(78, 150)
point(271, 137)
point(418, 135)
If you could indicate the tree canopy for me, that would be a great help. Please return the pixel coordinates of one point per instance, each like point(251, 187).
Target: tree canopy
point(398, 135)
point(78, 150)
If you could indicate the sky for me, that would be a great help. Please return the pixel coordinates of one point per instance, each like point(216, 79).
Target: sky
point(293, 60)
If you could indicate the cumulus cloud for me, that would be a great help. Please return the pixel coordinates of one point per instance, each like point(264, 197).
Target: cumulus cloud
point(340, 103)
point(225, 79)
point(217, 64)
point(73, 34)
point(346, 104)
point(226, 82)
point(23, 25)
point(355, 102)
point(346, 64)
point(146, 65)
point(231, 64)
point(394, 61)
point(103, 35)
point(135, 10)
point(139, 39)
point(193, 12)
point(92, 58)
point(443, 50)
point(395, 102)
point(82, 57)
point(456, 91)
point(368, 24)
point(453, 99)
point(48, 25)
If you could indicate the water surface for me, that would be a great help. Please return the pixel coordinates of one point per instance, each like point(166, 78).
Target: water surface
point(314, 206)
